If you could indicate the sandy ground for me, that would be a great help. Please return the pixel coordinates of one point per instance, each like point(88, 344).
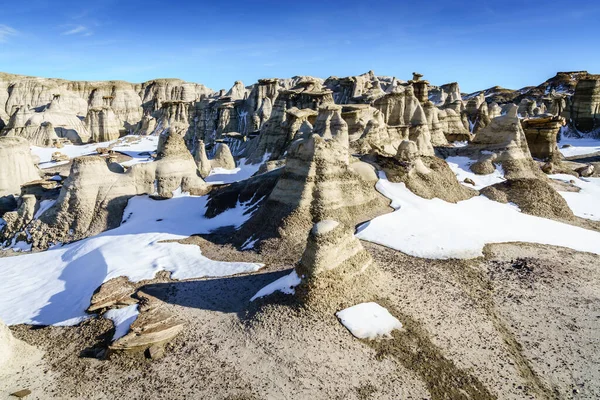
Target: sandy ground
point(522, 322)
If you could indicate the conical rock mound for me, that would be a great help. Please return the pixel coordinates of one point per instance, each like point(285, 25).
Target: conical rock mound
point(503, 141)
point(318, 182)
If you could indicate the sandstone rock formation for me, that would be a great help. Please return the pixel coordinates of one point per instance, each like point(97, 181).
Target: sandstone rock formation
point(16, 165)
point(533, 196)
point(503, 141)
point(445, 94)
point(453, 126)
point(93, 197)
point(155, 325)
point(541, 134)
point(405, 119)
point(16, 221)
point(64, 103)
point(318, 182)
point(116, 292)
point(355, 89)
point(223, 157)
point(282, 127)
point(202, 161)
point(585, 108)
point(333, 265)
point(26, 122)
point(102, 124)
point(426, 176)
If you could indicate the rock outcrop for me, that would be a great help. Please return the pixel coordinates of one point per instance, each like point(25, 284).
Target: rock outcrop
point(503, 141)
point(93, 197)
point(541, 134)
point(585, 108)
point(154, 326)
point(533, 196)
point(102, 124)
point(16, 165)
point(116, 292)
point(223, 157)
point(426, 176)
point(285, 122)
point(318, 182)
point(64, 103)
point(333, 265)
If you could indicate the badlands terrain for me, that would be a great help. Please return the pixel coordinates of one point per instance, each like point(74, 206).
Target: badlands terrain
point(360, 237)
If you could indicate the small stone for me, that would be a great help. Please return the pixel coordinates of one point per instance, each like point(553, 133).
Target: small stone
point(548, 168)
point(21, 393)
point(155, 352)
point(566, 146)
point(469, 181)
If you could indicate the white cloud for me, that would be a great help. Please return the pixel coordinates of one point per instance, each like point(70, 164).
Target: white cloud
point(6, 31)
point(78, 29)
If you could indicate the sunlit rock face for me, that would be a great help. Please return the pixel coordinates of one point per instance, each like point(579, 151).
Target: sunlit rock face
point(16, 165)
point(65, 104)
point(102, 124)
point(541, 134)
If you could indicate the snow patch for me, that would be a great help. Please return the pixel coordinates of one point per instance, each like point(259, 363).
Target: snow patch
point(122, 318)
point(461, 167)
point(285, 284)
point(44, 205)
point(369, 321)
point(586, 202)
point(54, 287)
point(441, 230)
point(139, 150)
point(578, 147)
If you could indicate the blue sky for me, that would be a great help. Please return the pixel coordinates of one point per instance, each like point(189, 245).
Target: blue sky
point(477, 43)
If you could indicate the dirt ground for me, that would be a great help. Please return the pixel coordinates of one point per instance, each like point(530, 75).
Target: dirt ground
point(521, 322)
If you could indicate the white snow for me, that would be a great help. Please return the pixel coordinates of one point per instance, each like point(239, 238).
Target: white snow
point(220, 176)
point(249, 244)
point(122, 318)
point(438, 229)
point(368, 321)
point(460, 166)
point(136, 150)
point(586, 202)
point(44, 205)
point(459, 143)
point(578, 147)
point(285, 284)
point(54, 287)
point(20, 246)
